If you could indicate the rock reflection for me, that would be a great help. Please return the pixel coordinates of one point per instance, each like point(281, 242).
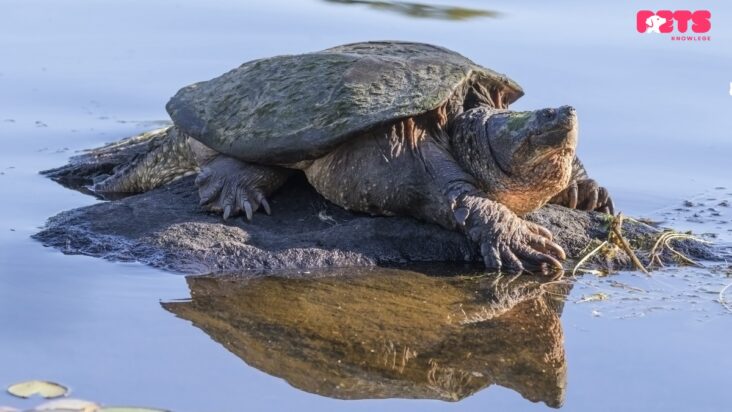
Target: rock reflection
point(419, 10)
point(389, 333)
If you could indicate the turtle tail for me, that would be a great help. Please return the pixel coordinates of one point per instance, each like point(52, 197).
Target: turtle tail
point(169, 158)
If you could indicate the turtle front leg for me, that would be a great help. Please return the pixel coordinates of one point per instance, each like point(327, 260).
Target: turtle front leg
point(232, 187)
point(507, 242)
point(426, 182)
point(584, 193)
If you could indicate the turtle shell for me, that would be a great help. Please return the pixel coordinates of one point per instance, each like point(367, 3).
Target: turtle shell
point(298, 107)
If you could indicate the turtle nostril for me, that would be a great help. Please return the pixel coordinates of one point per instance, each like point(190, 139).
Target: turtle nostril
point(568, 109)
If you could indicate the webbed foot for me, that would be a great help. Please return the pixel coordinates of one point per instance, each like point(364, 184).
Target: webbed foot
point(507, 242)
point(585, 194)
point(232, 187)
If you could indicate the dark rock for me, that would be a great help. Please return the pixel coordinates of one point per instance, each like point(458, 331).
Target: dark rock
point(167, 229)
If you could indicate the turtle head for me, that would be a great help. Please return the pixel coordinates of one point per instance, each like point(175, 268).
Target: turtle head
point(524, 158)
point(532, 155)
point(521, 142)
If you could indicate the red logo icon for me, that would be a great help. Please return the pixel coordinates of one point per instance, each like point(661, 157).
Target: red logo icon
point(680, 21)
point(663, 21)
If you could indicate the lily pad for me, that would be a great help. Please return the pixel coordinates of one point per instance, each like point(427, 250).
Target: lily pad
point(45, 389)
point(67, 405)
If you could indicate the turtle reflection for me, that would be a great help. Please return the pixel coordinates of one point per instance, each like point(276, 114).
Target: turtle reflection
point(389, 333)
point(420, 10)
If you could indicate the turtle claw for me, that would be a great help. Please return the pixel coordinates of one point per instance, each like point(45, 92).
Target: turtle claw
point(228, 186)
point(573, 196)
point(248, 210)
point(610, 207)
point(585, 194)
point(540, 230)
point(266, 207)
point(557, 250)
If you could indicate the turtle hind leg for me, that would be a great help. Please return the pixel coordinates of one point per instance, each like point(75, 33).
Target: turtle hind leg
point(169, 158)
point(584, 193)
point(232, 187)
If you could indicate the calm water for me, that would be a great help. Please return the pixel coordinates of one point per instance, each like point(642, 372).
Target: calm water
point(655, 121)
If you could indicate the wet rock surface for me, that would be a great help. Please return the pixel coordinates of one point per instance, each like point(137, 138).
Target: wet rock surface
point(166, 228)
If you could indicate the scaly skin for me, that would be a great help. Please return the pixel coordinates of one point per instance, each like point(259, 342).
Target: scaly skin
point(170, 158)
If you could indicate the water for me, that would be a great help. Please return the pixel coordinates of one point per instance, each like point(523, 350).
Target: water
point(655, 130)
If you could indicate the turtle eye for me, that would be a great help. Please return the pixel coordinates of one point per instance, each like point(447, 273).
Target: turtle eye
point(548, 114)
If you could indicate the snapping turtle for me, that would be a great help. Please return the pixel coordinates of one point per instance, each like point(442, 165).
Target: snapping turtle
point(386, 128)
